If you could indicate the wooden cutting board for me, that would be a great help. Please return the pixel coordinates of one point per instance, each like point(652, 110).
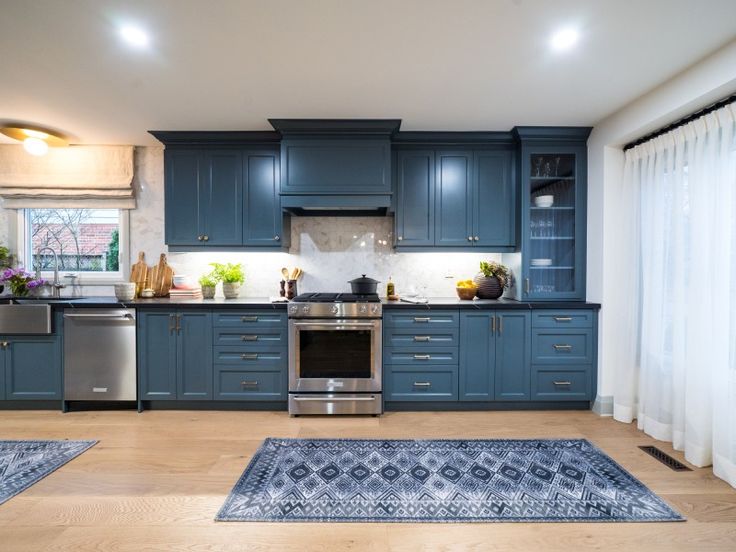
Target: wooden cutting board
point(162, 277)
point(139, 273)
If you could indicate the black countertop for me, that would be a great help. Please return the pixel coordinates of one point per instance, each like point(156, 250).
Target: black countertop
point(264, 303)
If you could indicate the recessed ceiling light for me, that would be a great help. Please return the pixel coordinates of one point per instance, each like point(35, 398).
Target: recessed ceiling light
point(135, 36)
point(35, 146)
point(564, 39)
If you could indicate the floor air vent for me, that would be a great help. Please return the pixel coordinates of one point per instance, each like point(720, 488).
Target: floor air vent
point(665, 458)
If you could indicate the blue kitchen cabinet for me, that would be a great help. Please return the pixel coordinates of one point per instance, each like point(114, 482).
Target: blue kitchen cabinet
point(3, 372)
point(494, 199)
point(415, 189)
point(157, 355)
point(459, 199)
point(553, 215)
point(263, 220)
point(453, 199)
point(203, 197)
point(494, 356)
point(175, 355)
point(32, 367)
point(194, 355)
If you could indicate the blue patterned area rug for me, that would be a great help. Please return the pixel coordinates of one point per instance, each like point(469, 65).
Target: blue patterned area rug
point(342, 480)
point(23, 463)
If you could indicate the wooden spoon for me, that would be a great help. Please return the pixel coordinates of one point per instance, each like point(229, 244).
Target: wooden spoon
point(285, 273)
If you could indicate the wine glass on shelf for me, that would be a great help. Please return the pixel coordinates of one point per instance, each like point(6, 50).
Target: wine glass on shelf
point(538, 166)
point(557, 166)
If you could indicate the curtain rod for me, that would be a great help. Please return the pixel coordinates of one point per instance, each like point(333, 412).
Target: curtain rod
point(680, 122)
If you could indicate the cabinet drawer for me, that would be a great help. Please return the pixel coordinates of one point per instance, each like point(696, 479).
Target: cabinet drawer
point(561, 385)
point(421, 319)
point(418, 339)
point(242, 319)
point(251, 385)
point(562, 346)
point(250, 359)
point(562, 319)
point(436, 384)
point(251, 338)
point(419, 356)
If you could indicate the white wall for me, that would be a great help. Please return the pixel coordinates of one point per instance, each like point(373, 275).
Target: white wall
point(702, 84)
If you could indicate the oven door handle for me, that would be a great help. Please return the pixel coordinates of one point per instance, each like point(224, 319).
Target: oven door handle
point(334, 399)
point(335, 324)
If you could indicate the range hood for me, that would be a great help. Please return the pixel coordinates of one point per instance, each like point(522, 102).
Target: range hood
point(336, 166)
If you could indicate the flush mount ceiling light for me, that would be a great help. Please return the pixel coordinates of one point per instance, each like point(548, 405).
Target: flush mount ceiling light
point(36, 140)
point(134, 36)
point(564, 39)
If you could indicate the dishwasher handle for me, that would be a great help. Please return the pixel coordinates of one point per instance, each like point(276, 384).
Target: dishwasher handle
point(124, 316)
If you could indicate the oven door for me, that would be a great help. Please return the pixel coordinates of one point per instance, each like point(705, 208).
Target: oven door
point(335, 356)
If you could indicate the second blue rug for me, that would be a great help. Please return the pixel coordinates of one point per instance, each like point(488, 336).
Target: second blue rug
point(339, 480)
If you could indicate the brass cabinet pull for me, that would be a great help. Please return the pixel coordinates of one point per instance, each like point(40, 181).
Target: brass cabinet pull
point(206, 237)
point(493, 325)
point(422, 338)
point(562, 347)
point(249, 356)
point(178, 323)
point(172, 323)
point(249, 338)
point(400, 238)
point(4, 344)
point(200, 238)
point(422, 319)
point(422, 384)
point(561, 383)
point(277, 238)
point(500, 324)
point(476, 238)
point(249, 319)
point(526, 286)
point(470, 238)
point(422, 357)
point(249, 383)
point(563, 318)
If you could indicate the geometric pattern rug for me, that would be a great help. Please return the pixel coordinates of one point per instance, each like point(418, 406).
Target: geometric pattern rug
point(23, 463)
point(367, 480)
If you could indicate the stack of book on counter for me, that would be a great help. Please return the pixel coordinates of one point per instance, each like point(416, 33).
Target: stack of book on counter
point(185, 291)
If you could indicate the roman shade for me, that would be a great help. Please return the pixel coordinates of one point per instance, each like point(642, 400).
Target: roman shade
point(73, 177)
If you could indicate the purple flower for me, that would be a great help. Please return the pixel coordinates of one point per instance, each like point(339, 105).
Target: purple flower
point(36, 283)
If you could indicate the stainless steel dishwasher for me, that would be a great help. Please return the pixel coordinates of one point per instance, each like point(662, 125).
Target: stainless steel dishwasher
point(99, 354)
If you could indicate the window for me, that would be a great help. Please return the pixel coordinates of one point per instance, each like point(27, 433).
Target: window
point(88, 242)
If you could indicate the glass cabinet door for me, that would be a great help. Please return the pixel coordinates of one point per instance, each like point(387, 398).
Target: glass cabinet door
point(552, 263)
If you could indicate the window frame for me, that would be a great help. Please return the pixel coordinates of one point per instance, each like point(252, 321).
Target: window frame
point(25, 255)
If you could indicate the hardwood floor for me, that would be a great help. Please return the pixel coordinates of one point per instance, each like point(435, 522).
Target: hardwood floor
point(156, 480)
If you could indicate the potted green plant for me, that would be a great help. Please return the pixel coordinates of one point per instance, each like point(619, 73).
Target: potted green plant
point(492, 279)
point(232, 277)
point(208, 282)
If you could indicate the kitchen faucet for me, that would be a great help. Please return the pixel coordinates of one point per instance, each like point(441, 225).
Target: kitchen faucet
point(57, 286)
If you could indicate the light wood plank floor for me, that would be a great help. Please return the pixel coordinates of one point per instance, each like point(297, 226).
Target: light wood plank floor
point(156, 480)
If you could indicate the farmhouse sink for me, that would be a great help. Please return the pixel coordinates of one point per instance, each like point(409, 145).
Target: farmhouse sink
point(32, 317)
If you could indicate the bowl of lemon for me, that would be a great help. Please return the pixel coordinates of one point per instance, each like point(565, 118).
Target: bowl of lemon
point(466, 289)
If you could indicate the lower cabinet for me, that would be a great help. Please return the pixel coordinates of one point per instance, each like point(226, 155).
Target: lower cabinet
point(175, 355)
point(30, 367)
point(203, 355)
point(494, 356)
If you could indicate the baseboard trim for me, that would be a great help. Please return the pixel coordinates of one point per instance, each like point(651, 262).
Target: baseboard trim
point(603, 406)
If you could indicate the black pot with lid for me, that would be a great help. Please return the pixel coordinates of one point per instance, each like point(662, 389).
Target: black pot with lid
point(363, 285)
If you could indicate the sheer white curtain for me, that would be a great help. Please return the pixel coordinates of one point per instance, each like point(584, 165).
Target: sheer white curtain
point(677, 323)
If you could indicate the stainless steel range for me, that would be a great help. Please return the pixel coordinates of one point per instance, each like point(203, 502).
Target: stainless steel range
point(335, 354)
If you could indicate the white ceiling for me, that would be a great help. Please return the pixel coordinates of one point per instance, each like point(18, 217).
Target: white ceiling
point(436, 64)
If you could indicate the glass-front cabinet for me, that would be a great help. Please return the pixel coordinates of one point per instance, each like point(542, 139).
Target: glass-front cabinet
point(553, 173)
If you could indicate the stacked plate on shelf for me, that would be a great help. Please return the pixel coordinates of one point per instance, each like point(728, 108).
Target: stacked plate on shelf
point(544, 201)
point(541, 262)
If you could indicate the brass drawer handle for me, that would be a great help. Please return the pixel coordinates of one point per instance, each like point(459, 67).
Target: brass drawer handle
point(249, 383)
point(422, 338)
point(562, 347)
point(563, 318)
point(249, 319)
point(422, 384)
point(249, 356)
point(249, 338)
point(422, 319)
point(562, 383)
point(422, 357)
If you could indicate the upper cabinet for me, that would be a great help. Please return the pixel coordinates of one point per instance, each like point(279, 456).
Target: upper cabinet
point(222, 191)
point(455, 199)
point(553, 219)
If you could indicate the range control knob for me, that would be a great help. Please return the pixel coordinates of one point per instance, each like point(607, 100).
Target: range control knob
point(305, 309)
point(335, 309)
point(363, 308)
point(374, 309)
point(293, 308)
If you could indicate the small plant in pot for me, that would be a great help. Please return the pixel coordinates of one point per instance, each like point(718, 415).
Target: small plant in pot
point(492, 279)
point(208, 282)
point(232, 277)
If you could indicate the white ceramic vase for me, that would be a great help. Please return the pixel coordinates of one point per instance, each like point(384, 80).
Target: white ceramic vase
point(231, 290)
